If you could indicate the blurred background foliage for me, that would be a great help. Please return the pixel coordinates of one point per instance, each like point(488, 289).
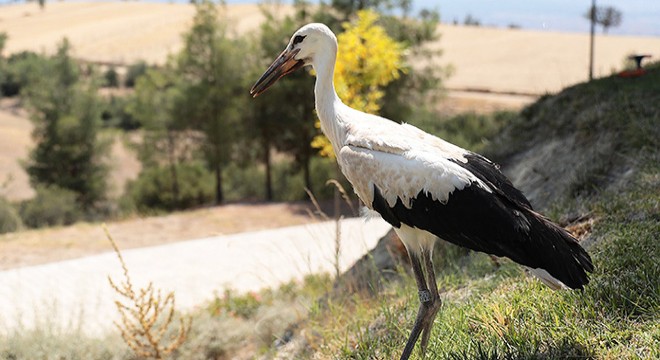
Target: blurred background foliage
point(201, 140)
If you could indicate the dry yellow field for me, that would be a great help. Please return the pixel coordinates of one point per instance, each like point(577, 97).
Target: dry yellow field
point(533, 62)
point(484, 58)
point(121, 32)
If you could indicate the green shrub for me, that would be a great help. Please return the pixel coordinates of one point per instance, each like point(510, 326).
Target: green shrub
point(135, 71)
point(244, 183)
point(48, 342)
point(52, 206)
point(322, 170)
point(470, 131)
point(114, 114)
point(9, 219)
point(17, 71)
point(111, 77)
point(288, 185)
point(154, 189)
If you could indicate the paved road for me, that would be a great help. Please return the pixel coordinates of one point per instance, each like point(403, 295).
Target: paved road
point(75, 293)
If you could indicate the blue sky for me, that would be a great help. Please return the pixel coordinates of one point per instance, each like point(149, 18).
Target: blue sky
point(640, 17)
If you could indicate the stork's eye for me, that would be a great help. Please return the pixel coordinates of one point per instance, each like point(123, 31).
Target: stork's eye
point(298, 39)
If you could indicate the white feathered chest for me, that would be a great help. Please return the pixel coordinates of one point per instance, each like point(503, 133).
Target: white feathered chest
point(401, 161)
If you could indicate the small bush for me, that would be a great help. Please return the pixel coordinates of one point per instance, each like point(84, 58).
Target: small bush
point(114, 114)
point(244, 183)
point(9, 219)
point(470, 131)
point(111, 77)
point(135, 71)
point(322, 170)
point(52, 206)
point(147, 316)
point(17, 71)
point(289, 183)
point(50, 343)
point(155, 190)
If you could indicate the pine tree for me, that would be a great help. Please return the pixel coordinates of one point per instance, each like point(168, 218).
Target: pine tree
point(66, 116)
point(212, 69)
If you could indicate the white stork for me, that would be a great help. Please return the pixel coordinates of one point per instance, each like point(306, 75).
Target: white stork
point(428, 188)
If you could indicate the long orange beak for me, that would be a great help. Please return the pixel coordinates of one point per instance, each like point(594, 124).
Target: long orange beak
point(285, 64)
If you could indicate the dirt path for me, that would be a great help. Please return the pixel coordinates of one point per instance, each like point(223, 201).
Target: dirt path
point(34, 247)
point(75, 294)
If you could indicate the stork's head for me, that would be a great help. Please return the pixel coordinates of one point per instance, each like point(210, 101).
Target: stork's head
point(306, 46)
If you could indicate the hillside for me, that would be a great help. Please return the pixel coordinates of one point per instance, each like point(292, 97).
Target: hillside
point(587, 139)
point(114, 32)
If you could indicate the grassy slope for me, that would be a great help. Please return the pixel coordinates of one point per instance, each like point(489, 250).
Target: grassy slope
point(582, 140)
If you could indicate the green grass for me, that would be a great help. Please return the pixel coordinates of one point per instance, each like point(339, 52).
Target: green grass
point(49, 343)
point(491, 313)
point(612, 119)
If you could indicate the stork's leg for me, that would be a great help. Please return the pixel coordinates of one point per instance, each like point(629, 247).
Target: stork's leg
point(434, 304)
point(424, 296)
point(428, 298)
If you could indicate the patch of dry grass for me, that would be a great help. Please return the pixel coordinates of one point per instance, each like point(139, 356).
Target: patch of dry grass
point(147, 316)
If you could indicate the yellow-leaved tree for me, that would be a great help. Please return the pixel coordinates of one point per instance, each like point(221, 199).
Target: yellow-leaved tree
point(368, 60)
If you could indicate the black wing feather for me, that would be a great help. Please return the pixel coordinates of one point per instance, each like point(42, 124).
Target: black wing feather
point(489, 172)
point(501, 223)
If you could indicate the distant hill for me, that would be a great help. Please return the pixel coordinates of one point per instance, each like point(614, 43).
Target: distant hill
point(502, 60)
point(117, 32)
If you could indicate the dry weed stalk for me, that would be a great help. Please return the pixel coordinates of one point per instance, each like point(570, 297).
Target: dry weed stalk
point(344, 194)
point(338, 217)
point(319, 212)
point(146, 316)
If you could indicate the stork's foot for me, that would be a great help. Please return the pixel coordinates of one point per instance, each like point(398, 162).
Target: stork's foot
point(428, 309)
point(432, 308)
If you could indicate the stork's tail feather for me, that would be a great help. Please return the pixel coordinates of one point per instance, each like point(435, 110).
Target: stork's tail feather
point(547, 279)
point(570, 268)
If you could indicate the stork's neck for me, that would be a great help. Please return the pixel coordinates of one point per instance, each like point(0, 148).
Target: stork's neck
point(328, 103)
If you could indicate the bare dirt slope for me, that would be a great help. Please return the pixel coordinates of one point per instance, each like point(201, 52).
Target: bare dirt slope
point(15, 142)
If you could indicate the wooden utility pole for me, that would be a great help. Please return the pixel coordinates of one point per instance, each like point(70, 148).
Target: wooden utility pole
point(592, 16)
